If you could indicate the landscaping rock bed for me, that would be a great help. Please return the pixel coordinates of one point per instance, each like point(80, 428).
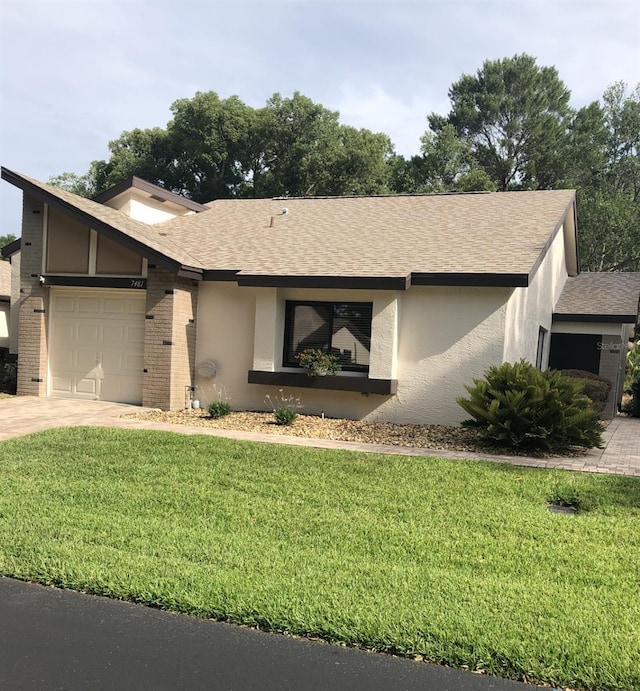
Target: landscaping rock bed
point(316, 427)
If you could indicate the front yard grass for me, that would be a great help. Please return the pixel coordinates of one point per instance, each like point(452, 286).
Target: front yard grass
point(460, 562)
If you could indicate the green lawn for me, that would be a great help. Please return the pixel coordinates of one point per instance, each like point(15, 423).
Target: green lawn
point(456, 561)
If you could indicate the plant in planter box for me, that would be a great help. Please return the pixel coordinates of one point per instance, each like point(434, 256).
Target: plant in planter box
point(318, 363)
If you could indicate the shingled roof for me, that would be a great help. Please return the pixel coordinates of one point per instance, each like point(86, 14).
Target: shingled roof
point(600, 297)
point(485, 239)
point(482, 239)
point(144, 238)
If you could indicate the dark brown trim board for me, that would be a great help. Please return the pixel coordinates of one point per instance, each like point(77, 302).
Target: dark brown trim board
point(470, 280)
point(301, 380)
point(132, 282)
point(341, 282)
point(604, 318)
point(12, 248)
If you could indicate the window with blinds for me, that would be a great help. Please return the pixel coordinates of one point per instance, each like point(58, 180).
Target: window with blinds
point(341, 328)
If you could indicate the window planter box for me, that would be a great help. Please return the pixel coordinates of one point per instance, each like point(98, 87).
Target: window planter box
point(331, 382)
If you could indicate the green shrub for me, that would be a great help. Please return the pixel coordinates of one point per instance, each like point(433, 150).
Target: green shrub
point(517, 405)
point(595, 387)
point(8, 372)
point(219, 409)
point(317, 362)
point(284, 415)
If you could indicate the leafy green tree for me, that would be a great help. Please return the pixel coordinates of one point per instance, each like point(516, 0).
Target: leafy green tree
point(207, 152)
point(82, 185)
point(218, 148)
point(514, 116)
point(605, 169)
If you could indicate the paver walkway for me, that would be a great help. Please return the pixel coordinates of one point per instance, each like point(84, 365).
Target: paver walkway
point(21, 415)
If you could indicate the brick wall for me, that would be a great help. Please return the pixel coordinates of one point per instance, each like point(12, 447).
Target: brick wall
point(32, 304)
point(170, 339)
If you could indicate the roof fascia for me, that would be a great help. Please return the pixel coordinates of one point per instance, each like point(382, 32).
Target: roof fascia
point(605, 318)
point(148, 187)
point(12, 248)
point(470, 280)
point(552, 237)
point(340, 282)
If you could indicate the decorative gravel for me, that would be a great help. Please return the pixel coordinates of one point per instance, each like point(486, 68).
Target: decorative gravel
point(315, 427)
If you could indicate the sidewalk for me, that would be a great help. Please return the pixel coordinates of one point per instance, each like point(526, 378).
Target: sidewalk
point(25, 414)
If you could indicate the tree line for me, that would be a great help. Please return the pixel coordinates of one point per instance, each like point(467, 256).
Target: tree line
point(510, 127)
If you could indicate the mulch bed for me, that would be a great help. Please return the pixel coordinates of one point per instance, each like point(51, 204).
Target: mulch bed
point(316, 427)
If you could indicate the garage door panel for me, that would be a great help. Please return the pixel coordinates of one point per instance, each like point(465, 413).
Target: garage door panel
point(62, 384)
point(85, 359)
point(86, 386)
point(119, 388)
point(115, 334)
point(135, 334)
point(63, 304)
point(61, 331)
point(115, 306)
point(88, 305)
point(97, 344)
point(91, 332)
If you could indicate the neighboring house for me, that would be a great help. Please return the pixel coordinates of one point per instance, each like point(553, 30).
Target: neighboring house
point(5, 303)
point(140, 295)
point(592, 324)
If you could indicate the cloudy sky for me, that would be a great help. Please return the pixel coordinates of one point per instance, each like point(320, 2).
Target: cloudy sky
point(76, 73)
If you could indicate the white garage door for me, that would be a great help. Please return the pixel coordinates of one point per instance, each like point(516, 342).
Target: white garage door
point(96, 344)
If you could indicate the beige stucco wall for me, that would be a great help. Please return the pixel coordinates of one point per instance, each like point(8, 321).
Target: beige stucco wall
point(433, 340)
point(530, 308)
point(142, 208)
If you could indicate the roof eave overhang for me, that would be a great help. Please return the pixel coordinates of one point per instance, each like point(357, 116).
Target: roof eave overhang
point(12, 248)
point(85, 218)
point(152, 190)
point(471, 280)
point(573, 267)
point(340, 282)
point(602, 318)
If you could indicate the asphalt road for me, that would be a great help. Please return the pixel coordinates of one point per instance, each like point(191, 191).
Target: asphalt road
point(67, 641)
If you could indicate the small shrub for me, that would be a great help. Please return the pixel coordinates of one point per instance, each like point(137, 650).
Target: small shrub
point(284, 408)
point(8, 372)
point(517, 405)
point(594, 387)
point(284, 416)
point(219, 409)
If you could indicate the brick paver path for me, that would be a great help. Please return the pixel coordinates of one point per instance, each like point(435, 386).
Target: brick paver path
point(25, 414)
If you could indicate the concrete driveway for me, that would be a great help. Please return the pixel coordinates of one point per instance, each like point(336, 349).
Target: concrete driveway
point(21, 415)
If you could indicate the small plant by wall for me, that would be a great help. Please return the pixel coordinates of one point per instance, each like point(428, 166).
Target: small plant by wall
point(221, 405)
point(284, 407)
point(519, 406)
point(8, 372)
point(219, 409)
